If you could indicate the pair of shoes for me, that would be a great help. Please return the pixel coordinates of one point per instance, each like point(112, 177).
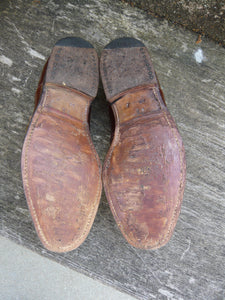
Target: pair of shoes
point(144, 170)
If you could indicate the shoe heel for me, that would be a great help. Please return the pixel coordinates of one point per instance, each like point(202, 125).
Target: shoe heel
point(74, 64)
point(71, 78)
point(121, 73)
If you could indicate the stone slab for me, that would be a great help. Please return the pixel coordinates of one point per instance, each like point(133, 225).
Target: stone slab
point(207, 17)
point(25, 276)
point(192, 264)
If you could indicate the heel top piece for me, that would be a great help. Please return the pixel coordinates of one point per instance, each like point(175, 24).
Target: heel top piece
point(124, 42)
point(73, 42)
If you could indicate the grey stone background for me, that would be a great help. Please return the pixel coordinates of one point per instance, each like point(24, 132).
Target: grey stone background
point(207, 17)
point(192, 264)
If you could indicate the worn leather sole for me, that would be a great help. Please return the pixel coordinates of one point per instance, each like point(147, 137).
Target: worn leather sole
point(61, 170)
point(144, 171)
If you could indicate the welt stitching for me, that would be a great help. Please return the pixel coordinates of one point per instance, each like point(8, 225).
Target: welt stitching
point(181, 176)
point(85, 113)
point(99, 185)
point(180, 180)
point(26, 176)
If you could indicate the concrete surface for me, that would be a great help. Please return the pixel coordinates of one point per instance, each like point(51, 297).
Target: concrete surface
point(206, 17)
point(192, 264)
point(26, 275)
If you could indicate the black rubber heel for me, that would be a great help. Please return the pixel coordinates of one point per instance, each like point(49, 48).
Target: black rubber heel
point(124, 42)
point(74, 42)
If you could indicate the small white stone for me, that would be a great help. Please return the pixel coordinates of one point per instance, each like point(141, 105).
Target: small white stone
point(34, 53)
point(166, 293)
point(14, 78)
point(16, 91)
point(192, 280)
point(199, 56)
point(5, 60)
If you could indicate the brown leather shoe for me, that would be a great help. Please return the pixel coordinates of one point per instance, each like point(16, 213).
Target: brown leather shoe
point(60, 168)
point(144, 171)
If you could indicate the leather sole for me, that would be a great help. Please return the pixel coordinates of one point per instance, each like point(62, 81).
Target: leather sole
point(144, 171)
point(61, 170)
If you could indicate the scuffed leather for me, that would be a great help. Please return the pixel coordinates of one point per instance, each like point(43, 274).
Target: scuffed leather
point(144, 171)
point(61, 169)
